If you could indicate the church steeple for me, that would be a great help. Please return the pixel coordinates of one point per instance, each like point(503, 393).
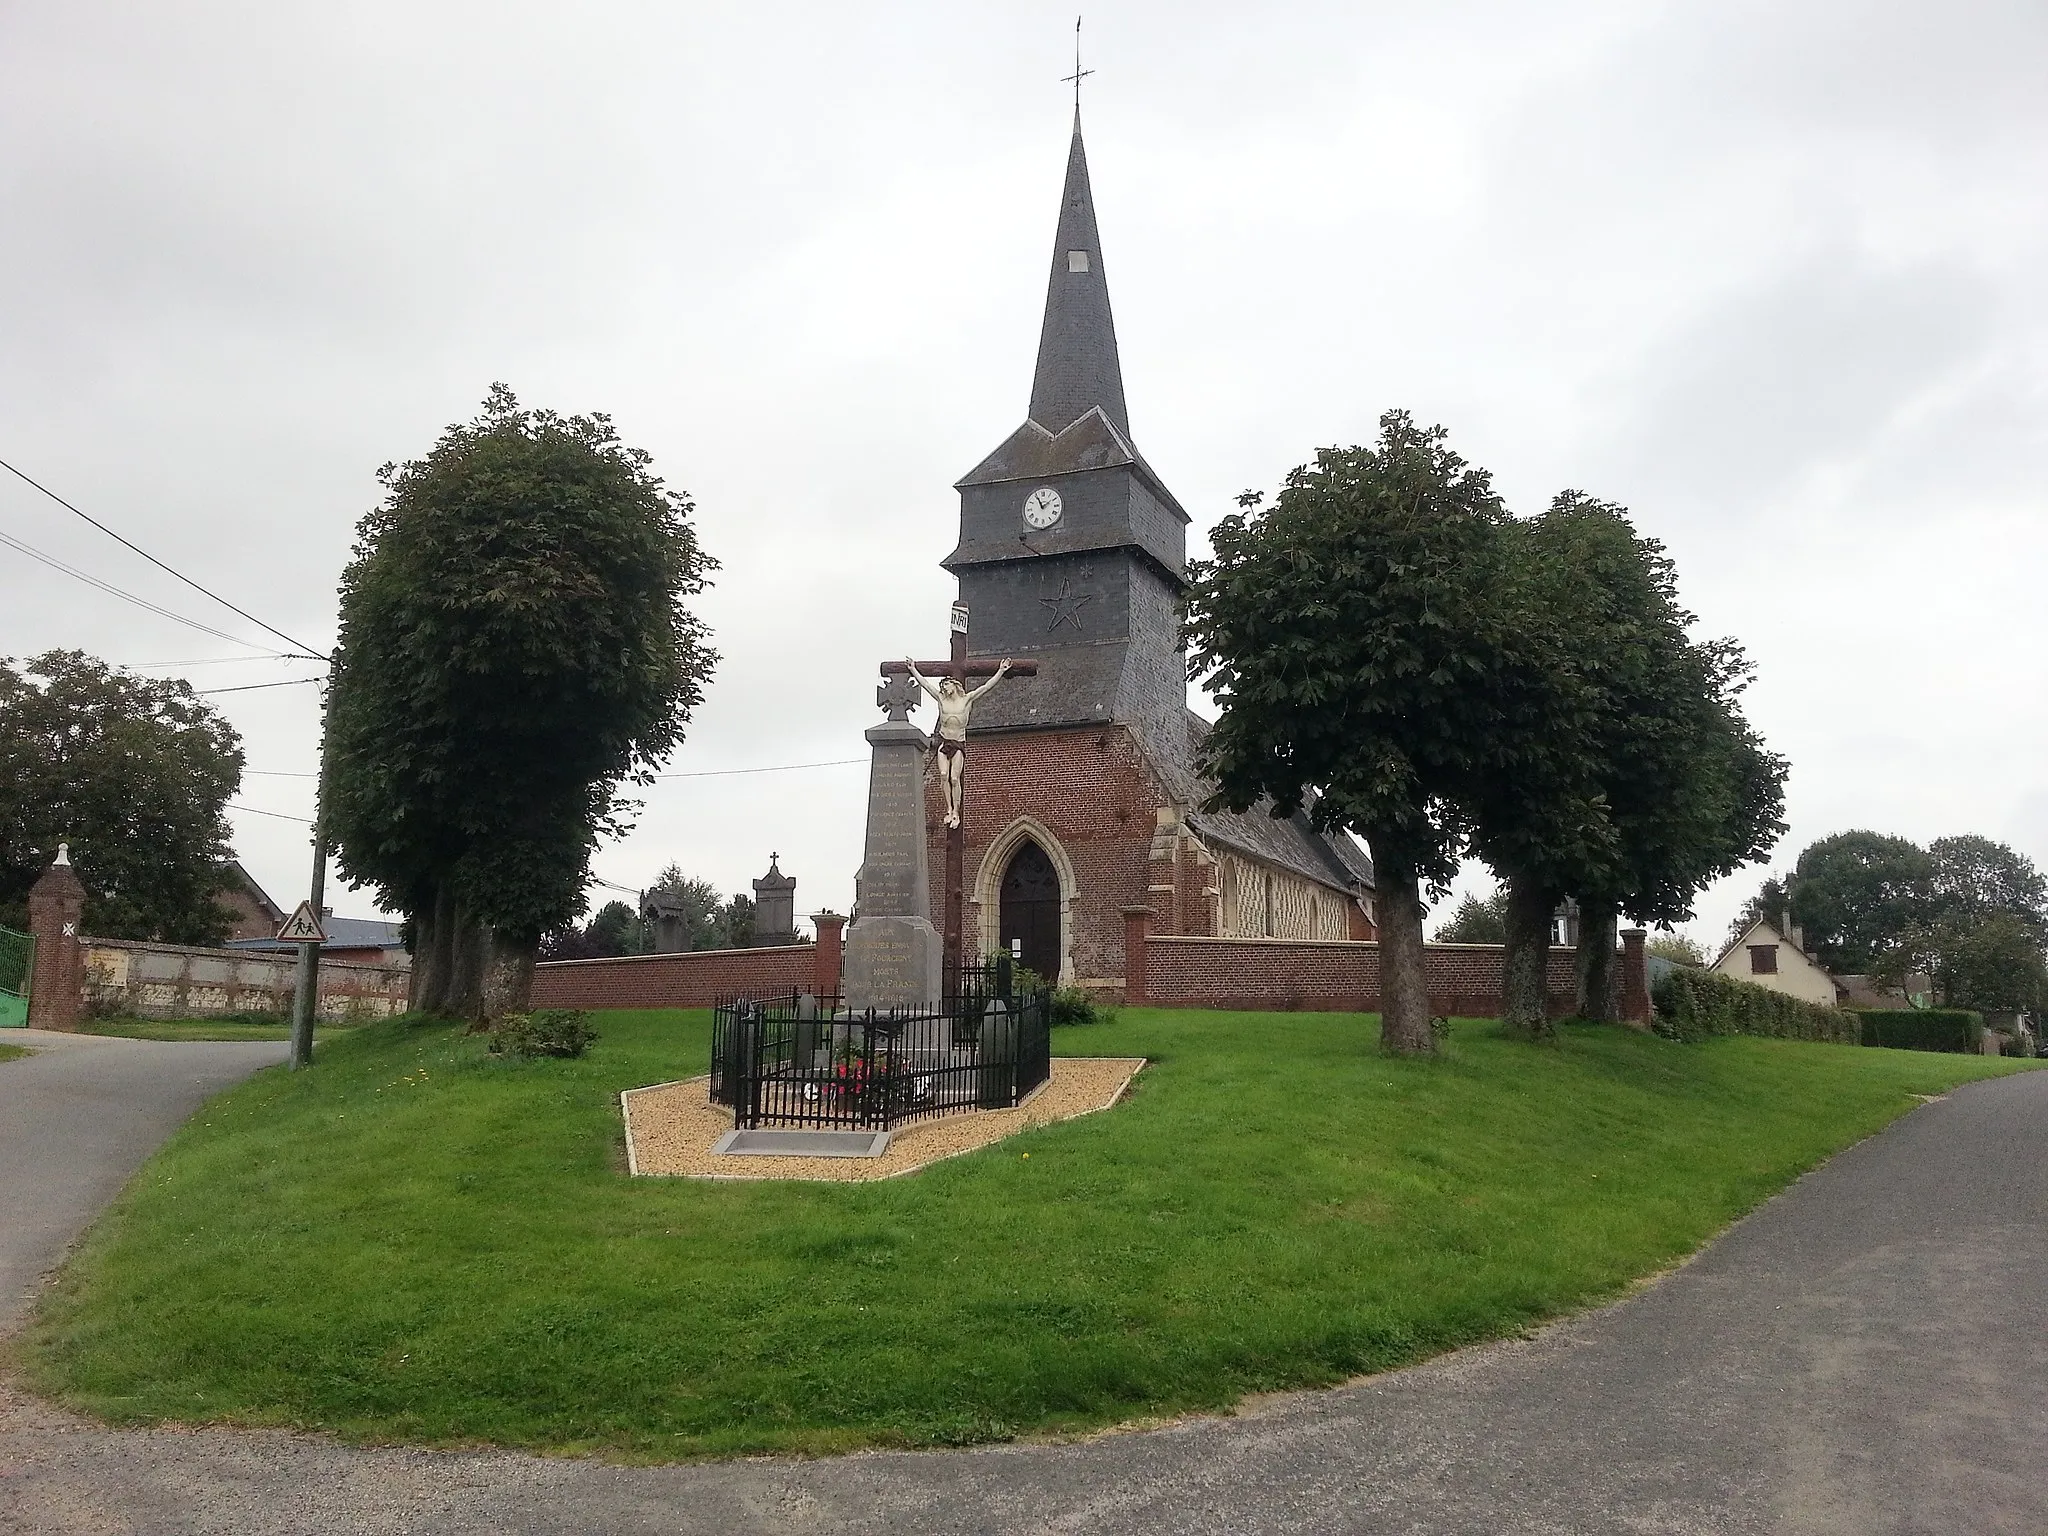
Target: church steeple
point(1077, 357)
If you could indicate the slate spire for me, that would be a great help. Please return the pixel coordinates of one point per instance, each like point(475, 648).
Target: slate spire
point(1077, 359)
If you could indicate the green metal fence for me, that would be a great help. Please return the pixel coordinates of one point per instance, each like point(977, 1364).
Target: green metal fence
point(16, 952)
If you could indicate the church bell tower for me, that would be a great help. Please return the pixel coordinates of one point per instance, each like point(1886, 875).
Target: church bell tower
point(1072, 550)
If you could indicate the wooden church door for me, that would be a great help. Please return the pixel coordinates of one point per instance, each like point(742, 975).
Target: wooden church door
point(1030, 919)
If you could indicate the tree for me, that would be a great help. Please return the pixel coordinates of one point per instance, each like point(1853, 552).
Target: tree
point(1977, 878)
point(1675, 947)
point(1772, 900)
point(1636, 780)
point(1353, 637)
point(738, 921)
point(514, 644)
point(135, 774)
point(616, 930)
point(1857, 893)
point(1993, 961)
point(704, 909)
point(1477, 920)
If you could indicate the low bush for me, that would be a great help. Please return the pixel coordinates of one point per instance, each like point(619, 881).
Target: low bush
point(1072, 1005)
point(1694, 1004)
point(543, 1032)
point(1922, 1029)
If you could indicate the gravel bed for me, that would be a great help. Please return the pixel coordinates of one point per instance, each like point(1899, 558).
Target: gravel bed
point(670, 1128)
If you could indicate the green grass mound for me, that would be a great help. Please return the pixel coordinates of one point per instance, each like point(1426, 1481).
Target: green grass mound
point(419, 1241)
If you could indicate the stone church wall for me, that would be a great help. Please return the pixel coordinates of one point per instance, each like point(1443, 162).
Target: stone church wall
point(178, 981)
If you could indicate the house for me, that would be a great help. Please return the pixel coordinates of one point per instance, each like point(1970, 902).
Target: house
point(256, 916)
point(368, 941)
point(1771, 952)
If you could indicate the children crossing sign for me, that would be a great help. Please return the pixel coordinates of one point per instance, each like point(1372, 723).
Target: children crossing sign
point(302, 927)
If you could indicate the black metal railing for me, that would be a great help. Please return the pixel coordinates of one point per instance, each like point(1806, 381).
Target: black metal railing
point(802, 1060)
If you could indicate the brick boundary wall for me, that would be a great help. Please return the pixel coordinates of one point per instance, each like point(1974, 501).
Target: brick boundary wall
point(1330, 976)
point(694, 979)
point(184, 981)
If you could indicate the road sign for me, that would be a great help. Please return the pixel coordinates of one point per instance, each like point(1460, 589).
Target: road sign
point(302, 927)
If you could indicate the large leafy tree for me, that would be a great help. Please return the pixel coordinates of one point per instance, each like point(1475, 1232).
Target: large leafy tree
point(1857, 893)
point(1636, 780)
point(135, 774)
point(1977, 878)
point(1689, 791)
point(1354, 634)
point(515, 645)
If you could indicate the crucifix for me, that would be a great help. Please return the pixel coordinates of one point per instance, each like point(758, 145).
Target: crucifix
point(949, 741)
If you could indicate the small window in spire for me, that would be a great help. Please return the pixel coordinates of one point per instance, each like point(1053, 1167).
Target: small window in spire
point(1077, 261)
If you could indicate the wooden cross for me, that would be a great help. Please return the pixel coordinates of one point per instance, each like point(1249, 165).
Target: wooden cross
point(891, 696)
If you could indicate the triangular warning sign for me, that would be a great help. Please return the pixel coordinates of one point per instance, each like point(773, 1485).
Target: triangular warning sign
point(302, 927)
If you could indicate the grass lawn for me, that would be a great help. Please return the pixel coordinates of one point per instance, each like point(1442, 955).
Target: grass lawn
point(417, 1241)
point(9, 1052)
point(198, 1029)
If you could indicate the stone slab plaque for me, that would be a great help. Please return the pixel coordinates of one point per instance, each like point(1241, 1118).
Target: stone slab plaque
point(893, 962)
point(793, 1143)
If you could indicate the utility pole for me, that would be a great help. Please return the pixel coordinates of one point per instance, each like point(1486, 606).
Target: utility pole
point(306, 995)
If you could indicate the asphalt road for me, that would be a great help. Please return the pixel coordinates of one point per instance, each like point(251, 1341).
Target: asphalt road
point(1863, 1355)
point(76, 1119)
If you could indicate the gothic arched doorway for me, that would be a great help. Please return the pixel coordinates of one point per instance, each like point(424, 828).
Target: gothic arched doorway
point(1029, 923)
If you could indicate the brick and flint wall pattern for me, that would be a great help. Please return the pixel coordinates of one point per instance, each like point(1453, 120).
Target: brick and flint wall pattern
point(176, 981)
point(693, 979)
point(1264, 975)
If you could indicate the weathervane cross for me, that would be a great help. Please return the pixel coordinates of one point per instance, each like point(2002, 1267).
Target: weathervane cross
point(1079, 73)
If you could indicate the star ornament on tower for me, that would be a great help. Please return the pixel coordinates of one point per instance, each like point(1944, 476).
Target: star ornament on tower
point(1066, 607)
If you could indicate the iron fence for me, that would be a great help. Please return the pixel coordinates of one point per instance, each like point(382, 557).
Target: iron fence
point(805, 1061)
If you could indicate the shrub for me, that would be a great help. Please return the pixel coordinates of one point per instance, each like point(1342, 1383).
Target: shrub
point(1694, 1004)
point(1071, 1005)
point(543, 1032)
point(1922, 1029)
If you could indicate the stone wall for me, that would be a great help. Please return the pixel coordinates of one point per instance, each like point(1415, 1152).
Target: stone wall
point(693, 979)
point(175, 981)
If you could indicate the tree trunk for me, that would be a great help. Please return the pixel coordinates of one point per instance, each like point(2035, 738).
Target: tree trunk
point(1525, 969)
point(507, 976)
point(433, 952)
point(1599, 977)
point(1404, 985)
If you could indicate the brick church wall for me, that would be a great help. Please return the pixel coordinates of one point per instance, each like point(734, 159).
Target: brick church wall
point(693, 979)
point(1341, 976)
point(1091, 790)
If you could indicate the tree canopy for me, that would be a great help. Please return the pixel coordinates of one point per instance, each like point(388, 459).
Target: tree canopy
point(1477, 920)
point(1855, 893)
point(1354, 634)
point(135, 774)
point(515, 645)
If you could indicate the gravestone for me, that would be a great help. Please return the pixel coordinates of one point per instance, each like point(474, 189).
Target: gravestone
point(892, 951)
point(775, 906)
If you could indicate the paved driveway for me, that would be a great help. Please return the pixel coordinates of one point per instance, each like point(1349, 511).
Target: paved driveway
point(76, 1119)
point(1863, 1355)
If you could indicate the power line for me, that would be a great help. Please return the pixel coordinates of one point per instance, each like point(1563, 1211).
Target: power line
point(290, 682)
point(304, 648)
point(719, 773)
point(141, 602)
point(204, 661)
point(280, 773)
point(273, 815)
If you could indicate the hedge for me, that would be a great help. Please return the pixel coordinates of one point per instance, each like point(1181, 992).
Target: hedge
point(1693, 1004)
point(1923, 1029)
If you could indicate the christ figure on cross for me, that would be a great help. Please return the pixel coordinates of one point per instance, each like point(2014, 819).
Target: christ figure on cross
point(950, 737)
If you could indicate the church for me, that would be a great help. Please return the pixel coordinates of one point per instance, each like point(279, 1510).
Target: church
point(1082, 797)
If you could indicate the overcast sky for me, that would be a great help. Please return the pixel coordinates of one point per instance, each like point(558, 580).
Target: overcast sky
point(1769, 274)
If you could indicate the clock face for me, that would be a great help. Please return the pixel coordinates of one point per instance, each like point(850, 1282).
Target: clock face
point(1042, 507)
